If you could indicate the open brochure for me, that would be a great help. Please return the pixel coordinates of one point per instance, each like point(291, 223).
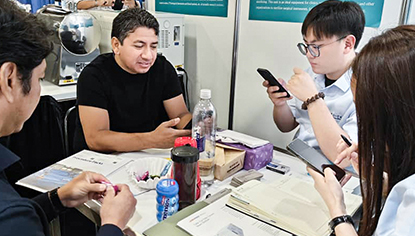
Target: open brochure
point(65, 170)
point(217, 219)
point(289, 203)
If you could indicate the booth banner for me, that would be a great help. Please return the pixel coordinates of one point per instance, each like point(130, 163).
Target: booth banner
point(194, 7)
point(296, 11)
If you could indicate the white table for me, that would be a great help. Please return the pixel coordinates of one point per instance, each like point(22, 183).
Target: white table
point(145, 215)
point(60, 93)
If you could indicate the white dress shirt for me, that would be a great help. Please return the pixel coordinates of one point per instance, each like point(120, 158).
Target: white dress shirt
point(339, 100)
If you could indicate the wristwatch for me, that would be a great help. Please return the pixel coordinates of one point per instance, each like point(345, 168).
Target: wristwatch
point(55, 201)
point(340, 219)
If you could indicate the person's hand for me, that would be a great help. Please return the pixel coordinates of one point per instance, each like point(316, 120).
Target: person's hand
point(107, 3)
point(347, 155)
point(129, 3)
point(84, 187)
point(330, 190)
point(164, 135)
point(117, 208)
point(278, 99)
point(301, 85)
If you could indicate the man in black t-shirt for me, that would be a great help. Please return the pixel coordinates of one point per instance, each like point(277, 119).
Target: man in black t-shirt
point(130, 99)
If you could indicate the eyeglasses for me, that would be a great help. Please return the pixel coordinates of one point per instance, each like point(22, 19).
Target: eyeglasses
point(313, 48)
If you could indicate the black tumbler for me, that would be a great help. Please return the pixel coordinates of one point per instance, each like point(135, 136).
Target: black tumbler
point(185, 173)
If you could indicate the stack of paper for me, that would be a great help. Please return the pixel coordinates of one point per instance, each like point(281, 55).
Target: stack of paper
point(229, 136)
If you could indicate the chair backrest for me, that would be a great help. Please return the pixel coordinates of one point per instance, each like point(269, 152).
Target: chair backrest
point(40, 143)
point(69, 126)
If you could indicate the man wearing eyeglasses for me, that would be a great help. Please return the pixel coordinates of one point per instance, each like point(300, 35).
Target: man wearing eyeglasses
point(323, 104)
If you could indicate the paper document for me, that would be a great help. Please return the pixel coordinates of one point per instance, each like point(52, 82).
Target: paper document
point(65, 170)
point(229, 136)
point(289, 203)
point(217, 219)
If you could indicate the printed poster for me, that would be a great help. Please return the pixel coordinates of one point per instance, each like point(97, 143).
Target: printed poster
point(217, 8)
point(296, 11)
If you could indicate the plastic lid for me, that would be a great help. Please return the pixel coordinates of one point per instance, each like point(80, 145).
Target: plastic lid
point(167, 187)
point(181, 141)
point(205, 94)
point(185, 154)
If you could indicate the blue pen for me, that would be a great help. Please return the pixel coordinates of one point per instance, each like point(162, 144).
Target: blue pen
point(165, 169)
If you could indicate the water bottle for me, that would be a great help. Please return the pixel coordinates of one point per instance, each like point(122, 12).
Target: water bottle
point(167, 198)
point(204, 130)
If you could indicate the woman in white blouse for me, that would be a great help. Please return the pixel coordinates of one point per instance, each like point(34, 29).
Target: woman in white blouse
point(383, 85)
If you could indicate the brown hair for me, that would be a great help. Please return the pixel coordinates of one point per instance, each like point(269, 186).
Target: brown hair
point(385, 107)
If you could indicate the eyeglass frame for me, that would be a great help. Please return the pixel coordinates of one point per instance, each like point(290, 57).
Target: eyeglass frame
point(317, 47)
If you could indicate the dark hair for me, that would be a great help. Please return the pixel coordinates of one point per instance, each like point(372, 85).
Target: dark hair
point(24, 41)
point(129, 20)
point(385, 106)
point(335, 18)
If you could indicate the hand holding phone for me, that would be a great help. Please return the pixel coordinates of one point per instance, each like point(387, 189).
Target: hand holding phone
point(272, 81)
point(313, 158)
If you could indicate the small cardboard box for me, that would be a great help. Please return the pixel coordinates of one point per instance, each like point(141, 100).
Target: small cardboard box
point(228, 160)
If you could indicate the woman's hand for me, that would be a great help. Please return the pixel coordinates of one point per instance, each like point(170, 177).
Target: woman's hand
point(330, 190)
point(347, 154)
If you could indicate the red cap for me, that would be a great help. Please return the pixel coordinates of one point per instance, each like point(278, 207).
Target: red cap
point(185, 140)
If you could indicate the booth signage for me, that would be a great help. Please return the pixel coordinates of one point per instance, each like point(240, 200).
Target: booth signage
point(296, 11)
point(194, 7)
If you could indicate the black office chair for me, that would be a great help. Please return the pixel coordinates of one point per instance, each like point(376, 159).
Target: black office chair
point(39, 144)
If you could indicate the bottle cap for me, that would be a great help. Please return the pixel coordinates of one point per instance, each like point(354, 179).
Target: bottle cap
point(167, 187)
point(205, 93)
point(185, 154)
point(181, 141)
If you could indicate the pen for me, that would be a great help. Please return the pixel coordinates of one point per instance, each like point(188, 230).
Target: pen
point(165, 169)
point(346, 140)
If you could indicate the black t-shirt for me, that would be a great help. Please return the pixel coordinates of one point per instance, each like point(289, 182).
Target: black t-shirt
point(134, 101)
point(328, 81)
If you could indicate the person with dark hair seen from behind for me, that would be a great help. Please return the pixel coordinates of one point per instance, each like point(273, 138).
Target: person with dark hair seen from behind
point(130, 99)
point(24, 46)
point(383, 85)
point(331, 32)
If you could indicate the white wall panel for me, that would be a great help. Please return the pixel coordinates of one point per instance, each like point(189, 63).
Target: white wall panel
point(208, 58)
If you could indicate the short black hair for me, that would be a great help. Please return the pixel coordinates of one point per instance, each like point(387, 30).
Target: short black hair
point(335, 18)
point(24, 40)
point(129, 20)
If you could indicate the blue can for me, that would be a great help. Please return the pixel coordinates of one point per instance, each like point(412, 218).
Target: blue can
point(167, 198)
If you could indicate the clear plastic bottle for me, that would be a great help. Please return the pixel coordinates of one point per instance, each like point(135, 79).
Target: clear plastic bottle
point(204, 131)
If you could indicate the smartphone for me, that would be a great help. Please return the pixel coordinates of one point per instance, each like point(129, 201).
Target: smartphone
point(314, 158)
point(118, 4)
point(189, 125)
point(272, 81)
point(279, 168)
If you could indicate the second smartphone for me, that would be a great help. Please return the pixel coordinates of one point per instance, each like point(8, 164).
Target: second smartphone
point(313, 158)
